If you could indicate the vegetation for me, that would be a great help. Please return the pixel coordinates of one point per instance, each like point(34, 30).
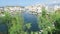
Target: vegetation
point(48, 23)
point(14, 23)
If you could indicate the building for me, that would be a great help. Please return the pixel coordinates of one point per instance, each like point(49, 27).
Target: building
point(49, 9)
point(1, 10)
point(13, 8)
point(35, 9)
point(56, 7)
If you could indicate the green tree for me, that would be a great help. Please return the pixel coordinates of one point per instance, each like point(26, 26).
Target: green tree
point(17, 24)
point(14, 22)
point(57, 22)
point(45, 22)
point(28, 25)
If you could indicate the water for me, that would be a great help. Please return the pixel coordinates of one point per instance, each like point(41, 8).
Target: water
point(3, 28)
point(29, 18)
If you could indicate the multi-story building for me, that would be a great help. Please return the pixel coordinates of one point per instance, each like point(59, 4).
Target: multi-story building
point(35, 9)
point(52, 9)
point(14, 8)
point(49, 9)
point(1, 9)
point(56, 7)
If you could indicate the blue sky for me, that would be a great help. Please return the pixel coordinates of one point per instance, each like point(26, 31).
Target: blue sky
point(25, 2)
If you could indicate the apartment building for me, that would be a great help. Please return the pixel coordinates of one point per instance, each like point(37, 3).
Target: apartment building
point(1, 9)
point(52, 9)
point(56, 7)
point(14, 8)
point(35, 9)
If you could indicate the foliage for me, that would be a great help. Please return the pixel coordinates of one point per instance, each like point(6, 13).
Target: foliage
point(17, 24)
point(46, 22)
point(14, 23)
point(28, 25)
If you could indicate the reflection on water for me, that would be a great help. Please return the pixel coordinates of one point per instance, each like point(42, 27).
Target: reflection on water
point(29, 18)
point(3, 29)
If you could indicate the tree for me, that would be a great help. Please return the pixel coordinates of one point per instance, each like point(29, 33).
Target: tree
point(57, 22)
point(45, 22)
point(14, 23)
point(28, 25)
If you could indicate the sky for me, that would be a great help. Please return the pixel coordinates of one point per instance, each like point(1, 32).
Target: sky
point(26, 2)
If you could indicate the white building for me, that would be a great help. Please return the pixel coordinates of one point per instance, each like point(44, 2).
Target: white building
point(36, 9)
point(49, 9)
point(1, 8)
point(14, 8)
point(56, 7)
